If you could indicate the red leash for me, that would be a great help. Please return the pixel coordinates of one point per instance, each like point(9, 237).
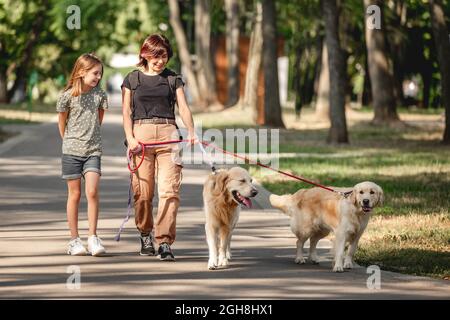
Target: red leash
point(270, 168)
point(145, 145)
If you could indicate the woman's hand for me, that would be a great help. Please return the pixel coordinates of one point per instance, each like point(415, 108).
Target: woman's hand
point(133, 145)
point(192, 138)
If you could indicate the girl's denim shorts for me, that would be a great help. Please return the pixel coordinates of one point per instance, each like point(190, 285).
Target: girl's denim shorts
point(75, 167)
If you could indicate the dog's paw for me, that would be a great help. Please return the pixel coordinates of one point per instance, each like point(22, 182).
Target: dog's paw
point(314, 260)
point(348, 264)
point(228, 255)
point(338, 268)
point(223, 262)
point(212, 265)
point(300, 260)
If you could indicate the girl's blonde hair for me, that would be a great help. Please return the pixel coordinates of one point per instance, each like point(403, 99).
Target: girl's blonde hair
point(84, 63)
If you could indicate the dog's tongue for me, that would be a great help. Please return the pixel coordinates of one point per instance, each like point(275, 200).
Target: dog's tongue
point(247, 202)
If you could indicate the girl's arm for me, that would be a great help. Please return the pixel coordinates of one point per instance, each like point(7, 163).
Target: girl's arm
point(127, 122)
point(101, 113)
point(186, 115)
point(62, 120)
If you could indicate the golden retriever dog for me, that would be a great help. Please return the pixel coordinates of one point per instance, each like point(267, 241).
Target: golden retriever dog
point(223, 193)
point(315, 212)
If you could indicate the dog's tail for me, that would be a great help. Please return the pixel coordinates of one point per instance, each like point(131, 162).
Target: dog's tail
point(280, 202)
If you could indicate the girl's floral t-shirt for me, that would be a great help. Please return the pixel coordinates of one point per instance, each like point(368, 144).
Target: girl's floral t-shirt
point(82, 135)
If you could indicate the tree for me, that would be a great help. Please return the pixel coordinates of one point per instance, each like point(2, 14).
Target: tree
point(232, 44)
point(250, 98)
point(272, 107)
point(204, 66)
point(380, 72)
point(442, 40)
point(185, 57)
point(323, 92)
point(23, 24)
point(336, 62)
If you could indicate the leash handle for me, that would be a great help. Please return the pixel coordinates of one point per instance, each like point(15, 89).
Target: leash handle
point(130, 154)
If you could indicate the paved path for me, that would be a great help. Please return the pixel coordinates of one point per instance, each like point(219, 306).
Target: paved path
point(34, 235)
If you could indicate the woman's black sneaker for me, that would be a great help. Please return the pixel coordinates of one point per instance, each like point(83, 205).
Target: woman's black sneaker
point(147, 248)
point(165, 253)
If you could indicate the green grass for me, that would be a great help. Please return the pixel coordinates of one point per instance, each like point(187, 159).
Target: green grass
point(413, 244)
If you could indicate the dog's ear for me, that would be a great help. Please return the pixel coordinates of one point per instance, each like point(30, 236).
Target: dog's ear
point(352, 197)
point(220, 181)
point(380, 193)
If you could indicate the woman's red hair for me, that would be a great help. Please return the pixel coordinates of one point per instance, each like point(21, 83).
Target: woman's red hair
point(154, 46)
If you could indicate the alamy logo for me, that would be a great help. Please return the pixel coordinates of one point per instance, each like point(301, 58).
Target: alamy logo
point(74, 20)
point(232, 146)
point(374, 280)
point(373, 19)
point(74, 280)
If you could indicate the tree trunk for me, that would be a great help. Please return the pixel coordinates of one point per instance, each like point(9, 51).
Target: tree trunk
point(272, 107)
point(338, 130)
point(367, 93)
point(442, 41)
point(297, 84)
point(380, 72)
point(323, 94)
point(185, 57)
point(398, 52)
point(250, 100)
point(426, 79)
point(232, 43)
point(3, 85)
point(205, 71)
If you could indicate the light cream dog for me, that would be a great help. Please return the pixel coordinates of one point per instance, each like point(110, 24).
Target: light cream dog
point(223, 192)
point(315, 212)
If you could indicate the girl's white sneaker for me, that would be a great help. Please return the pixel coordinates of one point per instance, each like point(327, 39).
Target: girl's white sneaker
point(95, 246)
point(76, 248)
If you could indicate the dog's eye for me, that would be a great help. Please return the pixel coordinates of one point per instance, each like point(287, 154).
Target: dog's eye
point(242, 180)
point(361, 192)
point(372, 192)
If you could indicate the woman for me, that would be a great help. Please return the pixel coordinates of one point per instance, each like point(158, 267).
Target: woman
point(148, 100)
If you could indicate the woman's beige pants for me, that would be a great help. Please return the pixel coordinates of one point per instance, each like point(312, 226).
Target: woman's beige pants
point(162, 164)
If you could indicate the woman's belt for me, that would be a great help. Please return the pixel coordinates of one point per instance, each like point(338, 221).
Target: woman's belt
point(155, 121)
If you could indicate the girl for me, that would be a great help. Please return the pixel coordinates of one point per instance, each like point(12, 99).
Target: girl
point(147, 117)
point(80, 109)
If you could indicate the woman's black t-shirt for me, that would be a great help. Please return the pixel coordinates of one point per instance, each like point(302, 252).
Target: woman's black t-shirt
point(152, 98)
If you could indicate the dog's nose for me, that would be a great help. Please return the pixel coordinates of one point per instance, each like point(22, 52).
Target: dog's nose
point(254, 192)
point(366, 202)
